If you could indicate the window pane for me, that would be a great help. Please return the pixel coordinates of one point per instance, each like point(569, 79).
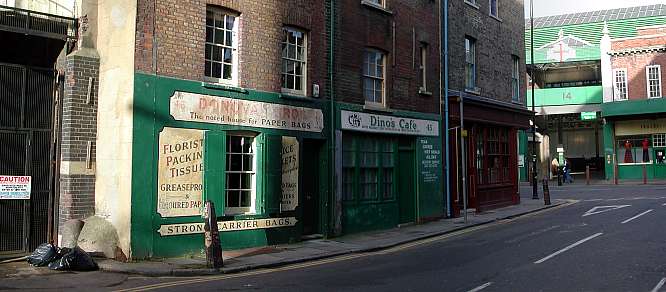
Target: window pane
point(230, 22)
point(217, 70)
point(219, 20)
point(368, 85)
point(247, 162)
point(209, 34)
point(207, 69)
point(227, 55)
point(298, 83)
point(245, 199)
point(209, 18)
point(233, 199)
point(217, 54)
point(298, 70)
point(219, 36)
point(228, 39)
point(246, 181)
point(227, 72)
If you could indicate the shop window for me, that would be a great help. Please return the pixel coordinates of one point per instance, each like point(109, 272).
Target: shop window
point(373, 77)
point(659, 140)
point(240, 175)
point(634, 149)
point(368, 168)
point(221, 55)
point(653, 74)
point(294, 58)
point(620, 84)
point(492, 155)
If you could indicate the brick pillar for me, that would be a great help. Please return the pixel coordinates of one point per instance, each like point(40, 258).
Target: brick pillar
point(78, 135)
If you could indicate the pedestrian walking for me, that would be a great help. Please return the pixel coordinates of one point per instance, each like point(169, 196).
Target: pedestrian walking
point(567, 172)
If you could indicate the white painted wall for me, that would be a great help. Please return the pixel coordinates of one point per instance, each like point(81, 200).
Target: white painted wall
point(606, 69)
point(58, 7)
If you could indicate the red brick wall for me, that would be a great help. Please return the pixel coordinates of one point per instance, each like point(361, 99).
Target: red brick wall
point(652, 30)
point(641, 42)
point(170, 38)
point(635, 65)
point(361, 26)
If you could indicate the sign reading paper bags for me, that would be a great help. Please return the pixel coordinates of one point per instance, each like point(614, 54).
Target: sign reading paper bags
point(15, 187)
point(180, 172)
point(290, 163)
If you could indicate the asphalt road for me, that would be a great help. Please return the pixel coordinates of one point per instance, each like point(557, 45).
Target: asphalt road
point(609, 249)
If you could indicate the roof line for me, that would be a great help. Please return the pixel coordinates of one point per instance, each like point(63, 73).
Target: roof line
point(598, 16)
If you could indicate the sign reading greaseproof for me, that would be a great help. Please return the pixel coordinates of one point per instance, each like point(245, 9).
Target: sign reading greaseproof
point(195, 228)
point(194, 107)
point(14, 187)
point(387, 124)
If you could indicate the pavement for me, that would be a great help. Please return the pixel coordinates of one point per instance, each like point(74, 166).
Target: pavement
point(281, 255)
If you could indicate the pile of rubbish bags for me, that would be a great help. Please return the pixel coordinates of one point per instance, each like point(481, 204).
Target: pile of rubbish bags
point(62, 258)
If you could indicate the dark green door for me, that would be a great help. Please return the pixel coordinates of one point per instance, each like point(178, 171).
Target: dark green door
point(405, 175)
point(310, 189)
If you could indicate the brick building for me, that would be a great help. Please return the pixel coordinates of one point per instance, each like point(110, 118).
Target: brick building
point(635, 128)
point(386, 92)
point(486, 65)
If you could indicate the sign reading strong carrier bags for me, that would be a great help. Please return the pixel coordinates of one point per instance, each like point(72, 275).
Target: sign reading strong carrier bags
point(387, 124)
point(180, 172)
point(194, 107)
point(194, 228)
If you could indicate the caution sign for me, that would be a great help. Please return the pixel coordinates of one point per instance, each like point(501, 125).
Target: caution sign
point(15, 187)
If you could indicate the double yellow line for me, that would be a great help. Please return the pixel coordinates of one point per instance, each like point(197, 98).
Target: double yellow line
point(335, 259)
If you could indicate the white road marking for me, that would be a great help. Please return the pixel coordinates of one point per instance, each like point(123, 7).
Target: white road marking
point(603, 209)
point(664, 204)
point(639, 215)
point(484, 286)
point(577, 243)
point(659, 285)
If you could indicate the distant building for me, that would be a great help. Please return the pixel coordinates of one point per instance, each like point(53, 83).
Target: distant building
point(571, 85)
point(486, 73)
point(635, 110)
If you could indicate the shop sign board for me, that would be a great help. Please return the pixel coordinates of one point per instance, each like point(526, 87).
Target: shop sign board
point(224, 226)
point(588, 116)
point(290, 163)
point(373, 123)
point(15, 187)
point(521, 160)
point(192, 107)
point(431, 156)
point(180, 172)
point(640, 127)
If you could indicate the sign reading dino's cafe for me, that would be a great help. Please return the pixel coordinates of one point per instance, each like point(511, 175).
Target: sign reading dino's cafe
point(259, 157)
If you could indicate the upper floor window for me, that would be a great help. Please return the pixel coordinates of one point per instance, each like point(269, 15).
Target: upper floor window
point(373, 77)
point(221, 54)
point(381, 3)
point(423, 67)
point(470, 63)
point(653, 74)
point(620, 84)
point(493, 7)
point(473, 2)
point(294, 61)
point(515, 79)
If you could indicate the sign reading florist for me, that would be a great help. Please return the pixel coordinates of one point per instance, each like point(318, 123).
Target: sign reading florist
point(365, 122)
point(185, 106)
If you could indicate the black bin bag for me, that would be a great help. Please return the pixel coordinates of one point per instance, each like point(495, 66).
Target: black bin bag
point(43, 255)
point(74, 259)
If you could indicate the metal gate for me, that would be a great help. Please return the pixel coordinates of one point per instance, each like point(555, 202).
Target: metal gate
point(26, 148)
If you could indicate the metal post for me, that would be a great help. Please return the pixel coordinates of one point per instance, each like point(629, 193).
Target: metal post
point(535, 194)
point(587, 174)
point(644, 174)
point(615, 175)
point(212, 238)
point(463, 158)
point(444, 96)
point(546, 192)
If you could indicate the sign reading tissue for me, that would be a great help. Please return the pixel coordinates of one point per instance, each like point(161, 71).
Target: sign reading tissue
point(290, 163)
point(387, 124)
point(185, 106)
point(180, 172)
point(14, 187)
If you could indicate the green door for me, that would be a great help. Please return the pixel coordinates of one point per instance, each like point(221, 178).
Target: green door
point(405, 175)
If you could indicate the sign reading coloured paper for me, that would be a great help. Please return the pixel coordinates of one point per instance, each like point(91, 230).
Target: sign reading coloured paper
point(15, 187)
point(195, 228)
point(180, 172)
point(185, 106)
point(387, 124)
point(290, 164)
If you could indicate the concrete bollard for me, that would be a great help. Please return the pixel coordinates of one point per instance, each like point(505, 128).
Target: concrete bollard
point(546, 192)
point(212, 238)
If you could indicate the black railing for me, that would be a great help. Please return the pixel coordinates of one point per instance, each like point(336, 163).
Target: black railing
point(37, 23)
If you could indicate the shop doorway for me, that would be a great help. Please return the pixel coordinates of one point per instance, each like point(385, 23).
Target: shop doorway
point(310, 191)
point(406, 187)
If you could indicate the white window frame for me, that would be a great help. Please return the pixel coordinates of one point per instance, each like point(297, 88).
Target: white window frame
point(378, 3)
point(423, 68)
point(304, 63)
point(252, 209)
point(616, 92)
point(515, 79)
point(472, 2)
point(367, 75)
point(234, 47)
point(490, 8)
point(659, 92)
point(658, 140)
point(472, 50)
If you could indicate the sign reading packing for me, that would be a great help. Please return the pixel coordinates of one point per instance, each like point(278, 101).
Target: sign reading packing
point(195, 228)
point(387, 124)
point(194, 107)
point(15, 187)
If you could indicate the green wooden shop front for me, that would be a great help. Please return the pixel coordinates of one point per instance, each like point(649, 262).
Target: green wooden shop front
point(260, 157)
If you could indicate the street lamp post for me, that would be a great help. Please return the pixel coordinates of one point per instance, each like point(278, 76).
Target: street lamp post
point(535, 194)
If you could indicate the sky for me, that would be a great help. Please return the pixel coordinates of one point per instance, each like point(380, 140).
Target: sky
point(555, 7)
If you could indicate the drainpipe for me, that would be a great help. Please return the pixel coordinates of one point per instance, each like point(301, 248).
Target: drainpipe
point(331, 96)
point(444, 94)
